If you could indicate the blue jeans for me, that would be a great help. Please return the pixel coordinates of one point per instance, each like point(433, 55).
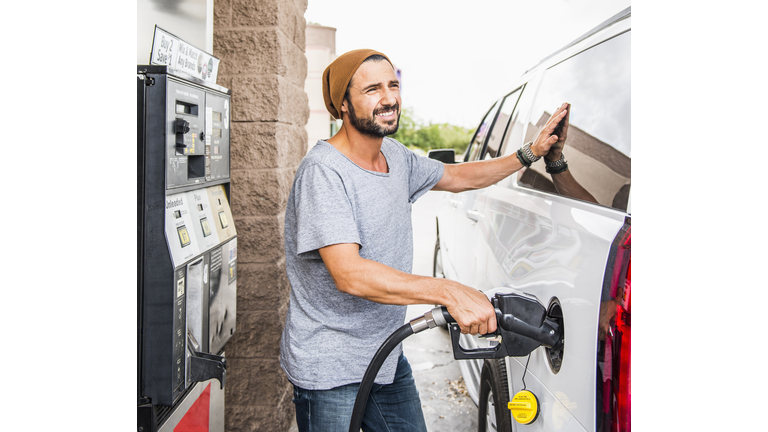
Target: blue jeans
point(392, 407)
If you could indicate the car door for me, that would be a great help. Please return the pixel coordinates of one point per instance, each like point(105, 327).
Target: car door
point(468, 235)
point(556, 247)
point(459, 212)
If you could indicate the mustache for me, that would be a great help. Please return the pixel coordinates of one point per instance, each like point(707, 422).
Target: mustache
point(395, 107)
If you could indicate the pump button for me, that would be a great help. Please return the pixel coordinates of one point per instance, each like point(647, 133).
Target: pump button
point(182, 126)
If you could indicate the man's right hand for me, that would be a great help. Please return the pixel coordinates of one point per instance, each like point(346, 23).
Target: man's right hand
point(472, 311)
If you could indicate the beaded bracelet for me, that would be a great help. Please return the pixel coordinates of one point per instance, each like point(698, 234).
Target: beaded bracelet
point(563, 168)
point(521, 158)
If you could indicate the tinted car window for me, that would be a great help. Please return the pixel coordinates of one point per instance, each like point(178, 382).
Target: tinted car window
point(476, 146)
point(513, 139)
point(505, 112)
point(597, 84)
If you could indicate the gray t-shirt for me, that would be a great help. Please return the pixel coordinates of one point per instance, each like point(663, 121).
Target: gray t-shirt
point(330, 336)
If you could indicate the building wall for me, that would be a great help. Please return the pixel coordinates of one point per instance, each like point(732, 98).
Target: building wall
point(320, 52)
point(261, 46)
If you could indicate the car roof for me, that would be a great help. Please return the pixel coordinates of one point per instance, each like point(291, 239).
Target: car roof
point(605, 24)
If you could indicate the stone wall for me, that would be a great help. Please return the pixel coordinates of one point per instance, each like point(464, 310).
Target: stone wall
point(261, 45)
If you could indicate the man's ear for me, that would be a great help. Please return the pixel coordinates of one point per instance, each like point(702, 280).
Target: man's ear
point(344, 108)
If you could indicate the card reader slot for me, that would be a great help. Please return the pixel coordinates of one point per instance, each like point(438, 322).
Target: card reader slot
point(186, 108)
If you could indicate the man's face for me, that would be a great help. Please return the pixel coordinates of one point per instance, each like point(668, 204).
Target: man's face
point(373, 106)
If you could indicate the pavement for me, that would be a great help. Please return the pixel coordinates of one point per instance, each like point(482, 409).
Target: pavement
point(444, 399)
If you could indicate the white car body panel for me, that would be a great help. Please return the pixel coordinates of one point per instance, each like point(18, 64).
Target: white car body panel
point(556, 411)
point(546, 245)
point(559, 250)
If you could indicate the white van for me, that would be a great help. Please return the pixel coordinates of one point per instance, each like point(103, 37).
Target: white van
point(572, 255)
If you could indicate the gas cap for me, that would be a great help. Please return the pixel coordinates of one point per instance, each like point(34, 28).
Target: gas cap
point(524, 407)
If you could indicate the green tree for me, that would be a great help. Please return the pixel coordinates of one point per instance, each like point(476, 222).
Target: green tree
point(414, 133)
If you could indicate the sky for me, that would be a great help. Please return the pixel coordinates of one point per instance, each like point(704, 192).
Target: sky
point(458, 57)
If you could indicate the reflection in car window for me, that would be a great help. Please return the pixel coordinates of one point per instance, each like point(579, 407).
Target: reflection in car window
point(473, 152)
point(596, 83)
point(494, 141)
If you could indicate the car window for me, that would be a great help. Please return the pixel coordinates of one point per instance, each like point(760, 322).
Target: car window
point(513, 138)
point(505, 112)
point(476, 146)
point(597, 84)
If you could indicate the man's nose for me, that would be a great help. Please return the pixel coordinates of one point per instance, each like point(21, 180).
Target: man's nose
point(390, 96)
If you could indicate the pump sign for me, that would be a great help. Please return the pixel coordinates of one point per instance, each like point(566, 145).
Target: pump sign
point(180, 56)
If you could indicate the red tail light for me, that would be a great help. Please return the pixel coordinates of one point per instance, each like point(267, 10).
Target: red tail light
point(617, 366)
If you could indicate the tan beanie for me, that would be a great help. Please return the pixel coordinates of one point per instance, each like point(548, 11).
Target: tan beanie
point(338, 74)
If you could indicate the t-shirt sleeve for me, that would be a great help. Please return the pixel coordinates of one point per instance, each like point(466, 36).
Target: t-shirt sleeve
point(324, 214)
point(425, 173)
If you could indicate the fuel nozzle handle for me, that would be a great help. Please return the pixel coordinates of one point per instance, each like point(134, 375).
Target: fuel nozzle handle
point(522, 323)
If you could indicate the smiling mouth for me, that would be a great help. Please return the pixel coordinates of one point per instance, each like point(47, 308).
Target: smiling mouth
point(390, 111)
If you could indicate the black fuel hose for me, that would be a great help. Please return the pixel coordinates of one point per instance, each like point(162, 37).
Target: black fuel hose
point(370, 374)
point(428, 320)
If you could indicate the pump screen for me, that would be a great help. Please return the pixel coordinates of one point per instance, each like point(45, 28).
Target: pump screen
point(183, 235)
point(206, 227)
point(216, 133)
point(216, 116)
point(223, 219)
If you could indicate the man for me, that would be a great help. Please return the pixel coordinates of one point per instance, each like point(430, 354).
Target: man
point(349, 251)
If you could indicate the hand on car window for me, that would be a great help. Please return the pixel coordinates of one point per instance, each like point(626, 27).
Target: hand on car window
point(546, 138)
point(561, 131)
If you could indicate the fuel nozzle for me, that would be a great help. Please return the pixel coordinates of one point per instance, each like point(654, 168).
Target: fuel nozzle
point(522, 326)
point(437, 317)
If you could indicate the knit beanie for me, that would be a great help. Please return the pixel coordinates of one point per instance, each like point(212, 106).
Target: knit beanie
point(338, 74)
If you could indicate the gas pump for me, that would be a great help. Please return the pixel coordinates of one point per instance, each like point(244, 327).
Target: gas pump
point(187, 250)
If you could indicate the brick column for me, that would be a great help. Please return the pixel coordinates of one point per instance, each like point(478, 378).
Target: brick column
point(261, 46)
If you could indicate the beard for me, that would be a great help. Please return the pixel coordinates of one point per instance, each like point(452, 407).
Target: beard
point(369, 127)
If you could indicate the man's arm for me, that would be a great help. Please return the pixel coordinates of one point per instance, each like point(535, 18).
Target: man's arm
point(566, 185)
point(377, 282)
point(480, 174)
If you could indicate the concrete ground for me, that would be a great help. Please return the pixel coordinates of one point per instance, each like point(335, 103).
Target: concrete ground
point(444, 399)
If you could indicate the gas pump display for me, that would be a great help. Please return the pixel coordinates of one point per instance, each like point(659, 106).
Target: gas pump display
point(187, 246)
